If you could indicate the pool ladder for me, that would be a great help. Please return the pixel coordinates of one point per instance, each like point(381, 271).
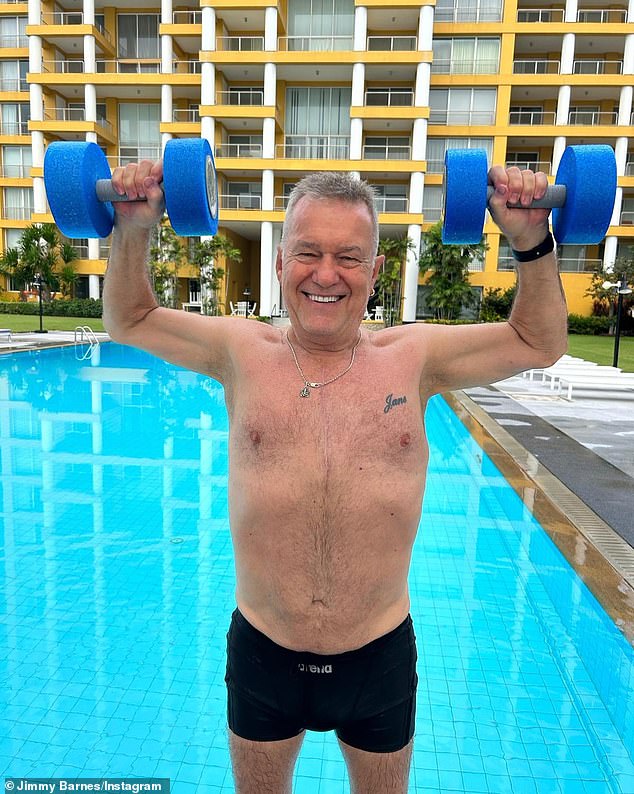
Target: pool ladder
point(85, 335)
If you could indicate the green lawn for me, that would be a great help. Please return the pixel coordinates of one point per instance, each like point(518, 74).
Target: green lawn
point(26, 322)
point(600, 349)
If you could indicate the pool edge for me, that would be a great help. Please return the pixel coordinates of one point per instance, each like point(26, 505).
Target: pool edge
point(599, 556)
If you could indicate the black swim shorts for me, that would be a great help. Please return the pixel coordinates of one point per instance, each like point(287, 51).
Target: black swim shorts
point(368, 696)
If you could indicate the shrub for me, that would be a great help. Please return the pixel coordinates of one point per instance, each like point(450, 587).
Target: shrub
point(78, 307)
point(578, 324)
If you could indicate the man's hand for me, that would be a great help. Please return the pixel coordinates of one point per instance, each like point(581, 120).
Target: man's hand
point(139, 180)
point(524, 229)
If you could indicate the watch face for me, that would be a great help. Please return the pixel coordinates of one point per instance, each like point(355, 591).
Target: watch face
point(211, 183)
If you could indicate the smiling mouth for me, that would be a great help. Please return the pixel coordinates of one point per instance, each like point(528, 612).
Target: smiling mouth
point(324, 298)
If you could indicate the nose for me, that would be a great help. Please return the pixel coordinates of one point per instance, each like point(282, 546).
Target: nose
point(325, 272)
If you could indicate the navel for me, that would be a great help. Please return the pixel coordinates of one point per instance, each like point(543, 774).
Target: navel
point(406, 440)
point(254, 435)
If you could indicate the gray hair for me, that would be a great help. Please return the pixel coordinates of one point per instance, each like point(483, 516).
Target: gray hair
point(326, 185)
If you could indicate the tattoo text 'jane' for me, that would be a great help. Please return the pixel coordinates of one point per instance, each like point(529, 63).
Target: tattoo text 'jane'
point(391, 402)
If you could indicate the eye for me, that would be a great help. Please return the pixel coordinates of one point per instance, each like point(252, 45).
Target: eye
point(348, 261)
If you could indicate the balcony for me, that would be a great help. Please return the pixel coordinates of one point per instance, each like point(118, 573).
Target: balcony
point(531, 117)
point(187, 18)
point(627, 218)
point(592, 117)
point(14, 84)
point(575, 264)
point(239, 150)
point(14, 128)
point(592, 66)
point(243, 201)
point(391, 43)
point(66, 66)
point(629, 168)
point(315, 147)
point(240, 43)
point(14, 41)
point(530, 165)
point(314, 43)
point(280, 203)
point(602, 15)
point(462, 117)
point(481, 14)
point(533, 66)
point(389, 97)
point(242, 96)
point(540, 15)
point(185, 115)
point(398, 204)
point(387, 151)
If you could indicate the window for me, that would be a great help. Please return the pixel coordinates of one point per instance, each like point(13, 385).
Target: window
point(13, 75)
point(243, 146)
point(242, 196)
point(18, 203)
point(390, 198)
point(389, 97)
point(524, 160)
point(386, 147)
point(465, 56)
point(16, 161)
point(462, 105)
point(319, 24)
point(15, 118)
point(505, 257)
point(436, 148)
point(584, 114)
point(318, 121)
point(12, 237)
point(138, 35)
point(468, 11)
point(526, 114)
point(139, 135)
point(432, 203)
point(13, 32)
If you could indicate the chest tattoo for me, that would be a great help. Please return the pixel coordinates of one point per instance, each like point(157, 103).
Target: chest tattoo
point(392, 402)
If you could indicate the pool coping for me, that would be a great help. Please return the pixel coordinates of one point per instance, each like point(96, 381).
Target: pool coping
point(599, 556)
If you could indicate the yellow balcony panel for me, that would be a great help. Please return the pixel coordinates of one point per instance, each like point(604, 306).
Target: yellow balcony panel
point(256, 216)
point(14, 181)
point(14, 96)
point(398, 4)
point(580, 28)
point(43, 217)
point(37, 172)
point(19, 140)
point(476, 80)
point(621, 231)
point(70, 38)
point(573, 80)
point(246, 58)
point(255, 164)
point(184, 128)
point(187, 30)
point(238, 5)
point(238, 111)
point(385, 167)
point(400, 218)
point(11, 9)
point(15, 52)
point(388, 113)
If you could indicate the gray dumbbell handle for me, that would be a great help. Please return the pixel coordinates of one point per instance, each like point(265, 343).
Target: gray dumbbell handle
point(555, 197)
point(105, 192)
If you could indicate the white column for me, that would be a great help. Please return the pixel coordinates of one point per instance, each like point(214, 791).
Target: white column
point(267, 189)
point(270, 100)
point(630, 11)
point(567, 53)
point(357, 100)
point(208, 74)
point(36, 103)
point(270, 29)
point(625, 106)
point(410, 286)
point(571, 11)
point(166, 12)
point(267, 270)
point(360, 35)
point(558, 150)
point(609, 253)
point(563, 105)
point(208, 37)
point(93, 253)
point(93, 283)
point(425, 27)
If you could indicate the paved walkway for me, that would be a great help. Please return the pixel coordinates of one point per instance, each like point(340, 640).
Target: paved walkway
point(587, 442)
point(32, 339)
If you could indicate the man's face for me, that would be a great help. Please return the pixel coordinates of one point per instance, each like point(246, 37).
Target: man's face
point(327, 267)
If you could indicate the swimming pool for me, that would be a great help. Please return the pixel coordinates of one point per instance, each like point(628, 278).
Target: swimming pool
point(116, 580)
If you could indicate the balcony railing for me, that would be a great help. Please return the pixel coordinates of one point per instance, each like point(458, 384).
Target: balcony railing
point(627, 218)
point(435, 166)
point(186, 67)
point(531, 117)
point(15, 171)
point(390, 97)
point(239, 150)
point(576, 265)
point(240, 43)
point(629, 168)
point(64, 67)
point(470, 66)
point(14, 40)
point(458, 117)
point(372, 151)
point(241, 96)
point(17, 213)
point(531, 165)
point(540, 15)
point(467, 15)
point(128, 66)
point(432, 213)
point(315, 147)
point(185, 115)
point(314, 43)
point(14, 128)
point(13, 84)
point(280, 202)
point(592, 117)
point(244, 201)
point(391, 43)
point(187, 17)
point(536, 67)
point(592, 66)
point(602, 15)
point(391, 203)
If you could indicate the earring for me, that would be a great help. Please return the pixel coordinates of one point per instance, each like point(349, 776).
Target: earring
point(372, 294)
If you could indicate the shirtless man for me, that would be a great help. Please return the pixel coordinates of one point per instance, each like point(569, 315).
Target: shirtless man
point(327, 463)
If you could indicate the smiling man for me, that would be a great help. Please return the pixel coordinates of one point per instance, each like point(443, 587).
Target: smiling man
point(328, 459)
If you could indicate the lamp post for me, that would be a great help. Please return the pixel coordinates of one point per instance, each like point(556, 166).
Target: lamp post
point(621, 290)
point(38, 282)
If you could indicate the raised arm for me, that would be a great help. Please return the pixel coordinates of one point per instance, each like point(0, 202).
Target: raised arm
point(131, 314)
point(535, 334)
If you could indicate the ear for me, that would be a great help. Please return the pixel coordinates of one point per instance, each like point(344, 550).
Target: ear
point(378, 264)
point(278, 263)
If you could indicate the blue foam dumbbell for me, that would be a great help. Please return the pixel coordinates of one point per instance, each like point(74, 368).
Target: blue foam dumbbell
point(582, 197)
point(80, 192)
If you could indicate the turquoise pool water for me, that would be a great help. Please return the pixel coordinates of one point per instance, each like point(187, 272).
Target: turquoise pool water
point(116, 588)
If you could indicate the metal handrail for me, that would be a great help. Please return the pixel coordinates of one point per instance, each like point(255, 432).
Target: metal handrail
point(394, 43)
point(240, 43)
point(85, 335)
point(536, 66)
point(532, 117)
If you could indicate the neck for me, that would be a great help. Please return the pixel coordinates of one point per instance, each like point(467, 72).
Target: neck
point(329, 346)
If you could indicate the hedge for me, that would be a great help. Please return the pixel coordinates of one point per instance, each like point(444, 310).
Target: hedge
point(578, 324)
point(78, 307)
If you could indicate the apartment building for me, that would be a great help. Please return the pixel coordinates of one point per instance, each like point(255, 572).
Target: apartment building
point(282, 88)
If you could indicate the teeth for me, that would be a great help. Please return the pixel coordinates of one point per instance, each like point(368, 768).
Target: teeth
point(324, 298)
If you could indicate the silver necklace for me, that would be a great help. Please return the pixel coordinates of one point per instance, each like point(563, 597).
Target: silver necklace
point(308, 385)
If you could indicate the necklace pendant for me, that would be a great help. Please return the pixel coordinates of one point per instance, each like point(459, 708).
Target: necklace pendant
point(305, 392)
